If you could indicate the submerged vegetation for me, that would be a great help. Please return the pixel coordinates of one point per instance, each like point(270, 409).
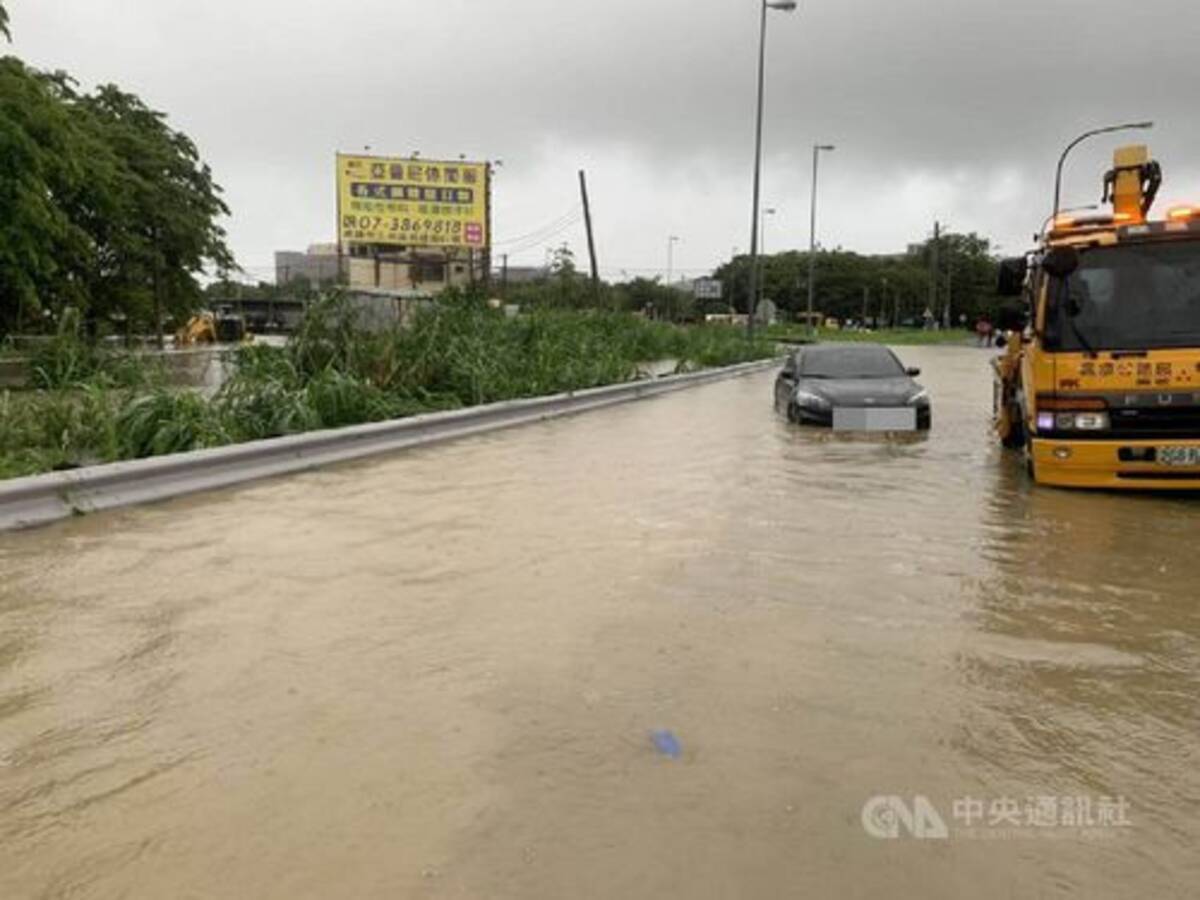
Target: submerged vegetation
point(88, 405)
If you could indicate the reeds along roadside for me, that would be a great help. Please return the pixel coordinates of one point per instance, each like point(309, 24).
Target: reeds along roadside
point(89, 406)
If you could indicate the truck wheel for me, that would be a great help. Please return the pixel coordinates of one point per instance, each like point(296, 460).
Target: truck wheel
point(1016, 437)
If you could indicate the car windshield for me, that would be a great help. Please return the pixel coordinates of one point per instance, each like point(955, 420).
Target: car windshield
point(1133, 297)
point(850, 362)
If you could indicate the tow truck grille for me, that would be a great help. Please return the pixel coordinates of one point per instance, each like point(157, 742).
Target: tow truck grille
point(1156, 422)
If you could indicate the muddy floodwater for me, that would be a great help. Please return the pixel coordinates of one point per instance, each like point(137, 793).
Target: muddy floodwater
point(440, 674)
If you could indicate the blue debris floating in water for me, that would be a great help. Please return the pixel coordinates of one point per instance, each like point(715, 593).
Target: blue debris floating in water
point(666, 743)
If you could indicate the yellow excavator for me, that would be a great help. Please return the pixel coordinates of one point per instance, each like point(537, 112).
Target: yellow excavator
point(1099, 384)
point(223, 326)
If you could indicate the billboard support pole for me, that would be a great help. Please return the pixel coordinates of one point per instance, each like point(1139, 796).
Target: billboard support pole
point(487, 243)
point(587, 218)
point(337, 182)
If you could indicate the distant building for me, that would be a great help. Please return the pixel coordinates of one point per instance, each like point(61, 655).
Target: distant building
point(397, 271)
point(520, 274)
point(318, 265)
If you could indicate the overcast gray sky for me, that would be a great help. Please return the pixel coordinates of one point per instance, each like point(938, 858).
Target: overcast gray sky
point(948, 109)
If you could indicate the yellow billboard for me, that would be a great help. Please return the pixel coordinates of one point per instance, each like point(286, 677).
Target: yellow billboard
point(412, 202)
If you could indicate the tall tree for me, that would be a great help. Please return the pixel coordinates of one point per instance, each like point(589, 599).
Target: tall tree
point(166, 230)
point(102, 205)
point(41, 245)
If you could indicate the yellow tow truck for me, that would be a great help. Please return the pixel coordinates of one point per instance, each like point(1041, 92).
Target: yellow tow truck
point(1099, 384)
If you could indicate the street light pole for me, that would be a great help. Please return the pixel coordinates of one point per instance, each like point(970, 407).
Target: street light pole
point(784, 6)
point(1131, 126)
point(671, 241)
point(812, 236)
point(762, 267)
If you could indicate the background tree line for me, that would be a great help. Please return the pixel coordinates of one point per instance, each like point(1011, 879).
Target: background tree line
point(565, 287)
point(894, 289)
point(103, 206)
point(886, 289)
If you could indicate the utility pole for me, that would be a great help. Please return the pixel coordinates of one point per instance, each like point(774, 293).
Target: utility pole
point(812, 236)
point(158, 323)
point(933, 268)
point(671, 242)
point(504, 276)
point(949, 319)
point(487, 247)
point(866, 302)
point(587, 218)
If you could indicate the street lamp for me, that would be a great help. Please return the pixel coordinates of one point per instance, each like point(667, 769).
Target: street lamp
point(782, 6)
point(762, 267)
point(1132, 126)
point(812, 235)
point(671, 242)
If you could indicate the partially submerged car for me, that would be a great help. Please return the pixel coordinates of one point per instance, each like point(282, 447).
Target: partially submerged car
point(852, 387)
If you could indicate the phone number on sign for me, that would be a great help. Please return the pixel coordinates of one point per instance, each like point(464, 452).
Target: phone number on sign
point(368, 228)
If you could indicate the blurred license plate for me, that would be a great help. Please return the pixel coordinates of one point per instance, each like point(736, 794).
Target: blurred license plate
point(1179, 456)
point(860, 419)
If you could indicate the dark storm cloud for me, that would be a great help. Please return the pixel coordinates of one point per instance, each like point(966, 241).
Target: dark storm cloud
point(950, 108)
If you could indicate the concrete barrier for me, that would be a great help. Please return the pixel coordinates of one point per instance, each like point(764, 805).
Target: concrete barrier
point(40, 499)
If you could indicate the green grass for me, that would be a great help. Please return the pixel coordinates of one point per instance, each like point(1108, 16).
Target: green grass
point(893, 336)
point(88, 407)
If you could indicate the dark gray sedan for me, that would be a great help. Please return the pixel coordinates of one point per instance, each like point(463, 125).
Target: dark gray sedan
point(853, 387)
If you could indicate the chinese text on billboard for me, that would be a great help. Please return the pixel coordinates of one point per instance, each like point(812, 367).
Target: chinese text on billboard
point(412, 202)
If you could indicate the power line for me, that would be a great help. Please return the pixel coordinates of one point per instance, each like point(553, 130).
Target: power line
point(544, 239)
point(568, 218)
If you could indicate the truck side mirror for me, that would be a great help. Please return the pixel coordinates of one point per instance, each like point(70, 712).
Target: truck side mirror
point(1061, 262)
point(1012, 318)
point(1012, 276)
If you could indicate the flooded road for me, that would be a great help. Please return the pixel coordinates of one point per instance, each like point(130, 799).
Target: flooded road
point(437, 674)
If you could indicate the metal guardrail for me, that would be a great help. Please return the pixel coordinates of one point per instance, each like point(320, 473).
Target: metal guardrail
point(41, 499)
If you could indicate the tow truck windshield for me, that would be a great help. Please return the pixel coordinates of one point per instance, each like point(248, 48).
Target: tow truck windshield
point(1133, 297)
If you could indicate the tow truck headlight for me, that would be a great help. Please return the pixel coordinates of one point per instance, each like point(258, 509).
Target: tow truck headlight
point(1092, 421)
point(1076, 421)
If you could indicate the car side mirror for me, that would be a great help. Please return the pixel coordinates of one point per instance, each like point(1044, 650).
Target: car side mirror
point(912, 372)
